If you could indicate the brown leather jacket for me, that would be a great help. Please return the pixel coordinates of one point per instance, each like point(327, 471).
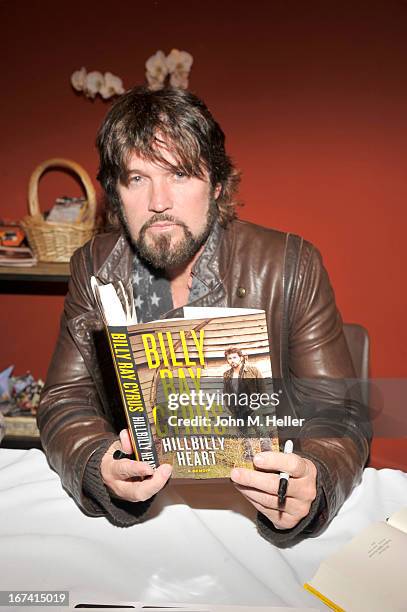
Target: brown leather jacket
point(249, 381)
point(247, 270)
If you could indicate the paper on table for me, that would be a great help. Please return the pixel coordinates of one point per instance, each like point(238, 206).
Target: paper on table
point(399, 520)
point(367, 574)
point(190, 608)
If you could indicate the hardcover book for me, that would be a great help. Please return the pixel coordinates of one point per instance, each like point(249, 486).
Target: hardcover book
point(197, 391)
point(368, 574)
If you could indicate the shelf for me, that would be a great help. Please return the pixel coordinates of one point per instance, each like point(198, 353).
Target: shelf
point(47, 279)
point(42, 272)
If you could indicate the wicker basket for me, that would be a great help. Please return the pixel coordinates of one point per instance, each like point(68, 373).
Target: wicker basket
point(56, 242)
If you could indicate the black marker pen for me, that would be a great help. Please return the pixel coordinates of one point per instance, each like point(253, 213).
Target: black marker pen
point(284, 476)
point(118, 454)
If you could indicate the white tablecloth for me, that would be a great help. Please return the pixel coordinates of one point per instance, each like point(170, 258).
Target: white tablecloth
point(200, 544)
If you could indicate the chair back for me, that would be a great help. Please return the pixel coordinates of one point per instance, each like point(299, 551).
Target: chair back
point(358, 342)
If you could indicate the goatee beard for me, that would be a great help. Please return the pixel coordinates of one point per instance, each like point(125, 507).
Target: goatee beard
point(158, 251)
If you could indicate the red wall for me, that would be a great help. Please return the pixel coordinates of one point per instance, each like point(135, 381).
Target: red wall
point(312, 97)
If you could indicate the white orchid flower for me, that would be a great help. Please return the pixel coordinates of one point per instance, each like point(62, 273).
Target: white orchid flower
point(112, 86)
point(106, 92)
point(94, 83)
point(179, 79)
point(153, 83)
point(78, 79)
point(156, 70)
point(179, 61)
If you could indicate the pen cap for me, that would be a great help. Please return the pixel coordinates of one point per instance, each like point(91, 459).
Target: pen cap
point(288, 446)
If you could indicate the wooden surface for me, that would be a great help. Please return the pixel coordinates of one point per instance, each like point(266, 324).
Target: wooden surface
point(43, 271)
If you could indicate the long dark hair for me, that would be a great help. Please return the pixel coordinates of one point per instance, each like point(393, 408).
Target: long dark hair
point(232, 350)
point(184, 123)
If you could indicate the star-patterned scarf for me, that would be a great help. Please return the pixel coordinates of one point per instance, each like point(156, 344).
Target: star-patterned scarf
point(152, 290)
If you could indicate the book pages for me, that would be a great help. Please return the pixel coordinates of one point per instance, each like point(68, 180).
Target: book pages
point(399, 520)
point(366, 575)
point(110, 305)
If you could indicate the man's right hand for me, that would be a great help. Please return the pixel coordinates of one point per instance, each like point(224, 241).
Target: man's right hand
point(131, 480)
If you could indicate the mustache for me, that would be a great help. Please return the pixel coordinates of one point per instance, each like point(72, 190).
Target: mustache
point(160, 218)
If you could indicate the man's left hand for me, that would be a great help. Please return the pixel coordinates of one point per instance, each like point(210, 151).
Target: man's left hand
point(260, 486)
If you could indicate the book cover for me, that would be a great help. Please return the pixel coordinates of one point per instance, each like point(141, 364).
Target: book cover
point(197, 391)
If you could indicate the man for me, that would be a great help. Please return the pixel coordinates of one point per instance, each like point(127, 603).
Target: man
point(171, 184)
point(240, 381)
point(241, 377)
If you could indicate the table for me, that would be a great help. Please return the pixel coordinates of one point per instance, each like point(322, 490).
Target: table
point(199, 545)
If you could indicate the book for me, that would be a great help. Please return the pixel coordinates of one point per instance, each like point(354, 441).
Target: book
point(67, 210)
point(182, 403)
point(11, 234)
point(368, 574)
point(21, 427)
point(16, 256)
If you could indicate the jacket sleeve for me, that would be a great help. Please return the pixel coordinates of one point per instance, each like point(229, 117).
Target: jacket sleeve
point(322, 387)
point(73, 419)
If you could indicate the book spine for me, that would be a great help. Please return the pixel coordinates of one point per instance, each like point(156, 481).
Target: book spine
point(132, 396)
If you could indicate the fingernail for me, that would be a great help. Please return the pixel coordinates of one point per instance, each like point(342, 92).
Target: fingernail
point(234, 474)
point(166, 469)
point(258, 459)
